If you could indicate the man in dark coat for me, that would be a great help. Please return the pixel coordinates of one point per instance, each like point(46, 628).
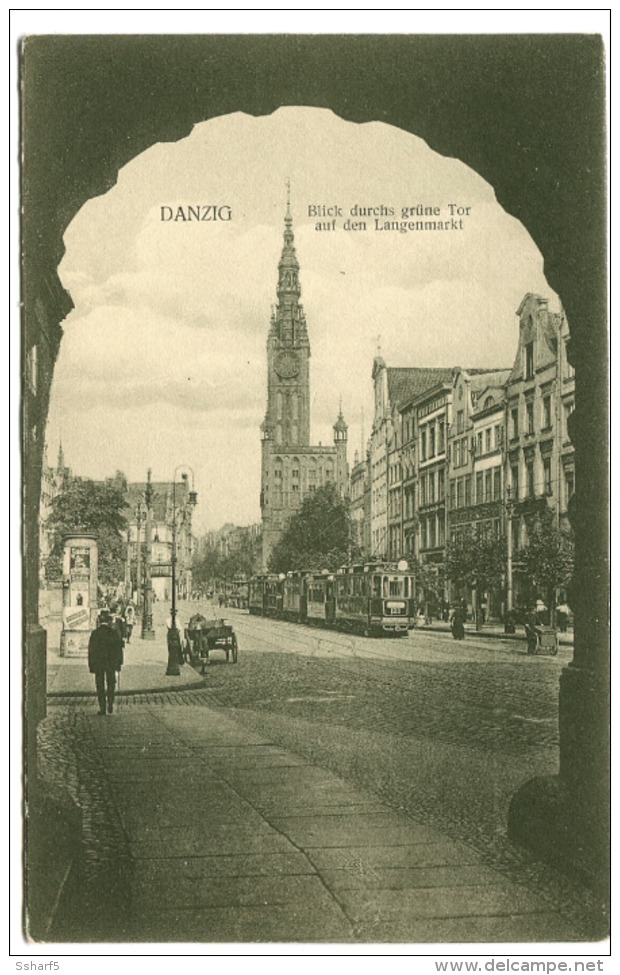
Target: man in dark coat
point(105, 658)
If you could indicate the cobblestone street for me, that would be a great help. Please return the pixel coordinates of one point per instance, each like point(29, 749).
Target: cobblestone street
point(440, 732)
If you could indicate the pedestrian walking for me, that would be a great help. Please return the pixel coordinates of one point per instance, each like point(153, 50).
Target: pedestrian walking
point(105, 659)
point(130, 620)
point(457, 623)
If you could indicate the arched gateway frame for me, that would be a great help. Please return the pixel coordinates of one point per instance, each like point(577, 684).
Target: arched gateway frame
point(525, 112)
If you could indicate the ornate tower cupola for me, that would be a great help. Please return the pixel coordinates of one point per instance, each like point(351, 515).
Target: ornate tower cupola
point(289, 289)
point(340, 428)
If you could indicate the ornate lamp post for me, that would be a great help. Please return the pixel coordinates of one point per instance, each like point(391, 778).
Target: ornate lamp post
point(148, 633)
point(139, 521)
point(509, 626)
point(174, 642)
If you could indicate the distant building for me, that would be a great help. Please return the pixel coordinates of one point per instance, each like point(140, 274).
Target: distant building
point(359, 504)
point(168, 520)
point(292, 468)
point(393, 389)
point(53, 482)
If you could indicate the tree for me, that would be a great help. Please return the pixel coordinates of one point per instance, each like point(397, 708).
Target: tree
point(318, 536)
point(476, 560)
point(548, 559)
point(84, 505)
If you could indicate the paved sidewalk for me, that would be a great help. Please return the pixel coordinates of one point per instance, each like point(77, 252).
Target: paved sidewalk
point(144, 670)
point(230, 838)
point(495, 630)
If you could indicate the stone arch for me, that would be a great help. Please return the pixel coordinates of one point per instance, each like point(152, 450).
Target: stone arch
point(525, 112)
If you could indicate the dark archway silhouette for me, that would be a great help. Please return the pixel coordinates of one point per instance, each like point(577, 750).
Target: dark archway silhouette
point(527, 113)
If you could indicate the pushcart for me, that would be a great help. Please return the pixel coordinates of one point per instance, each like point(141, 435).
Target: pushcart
point(541, 639)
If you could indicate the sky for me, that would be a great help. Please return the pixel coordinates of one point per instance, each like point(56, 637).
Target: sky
point(163, 360)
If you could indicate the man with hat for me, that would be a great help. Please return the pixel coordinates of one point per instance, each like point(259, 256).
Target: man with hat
point(105, 658)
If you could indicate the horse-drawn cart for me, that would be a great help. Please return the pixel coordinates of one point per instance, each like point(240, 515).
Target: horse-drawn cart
point(201, 636)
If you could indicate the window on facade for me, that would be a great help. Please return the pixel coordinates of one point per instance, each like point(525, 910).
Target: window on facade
point(441, 437)
point(569, 482)
point(547, 476)
point(529, 469)
point(294, 488)
point(487, 440)
point(497, 484)
point(431, 443)
point(479, 444)
point(529, 360)
point(529, 418)
point(460, 421)
point(431, 488)
point(464, 450)
point(479, 488)
point(546, 412)
point(514, 478)
point(441, 533)
point(441, 485)
point(456, 453)
point(467, 491)
point(278, 475)
point(514, 416)
point(453, 494)
point(488, 402)
point(488, 485)
point(498, 435)
point(459, 493)
point(295, 472)
point(423, 534)
point(423, 445)
point(432, 533)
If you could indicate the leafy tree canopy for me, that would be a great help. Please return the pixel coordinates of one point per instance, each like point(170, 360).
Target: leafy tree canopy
point(318, 536)
point(84, 505)
point(211, 565)
point(548, 558)
point(476, 560)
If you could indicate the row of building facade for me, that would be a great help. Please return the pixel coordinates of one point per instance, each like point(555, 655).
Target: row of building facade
point(456, 448)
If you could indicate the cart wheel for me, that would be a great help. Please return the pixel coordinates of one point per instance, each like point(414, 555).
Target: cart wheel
point(234, 647)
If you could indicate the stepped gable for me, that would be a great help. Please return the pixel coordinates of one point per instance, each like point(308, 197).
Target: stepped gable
point(162, 491)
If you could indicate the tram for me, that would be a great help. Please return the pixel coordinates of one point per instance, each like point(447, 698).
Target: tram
point(373, 598)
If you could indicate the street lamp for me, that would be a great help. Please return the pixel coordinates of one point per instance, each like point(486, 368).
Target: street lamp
point(148, 633)
point(509, 626)
point(192, 500)
point(139, 520)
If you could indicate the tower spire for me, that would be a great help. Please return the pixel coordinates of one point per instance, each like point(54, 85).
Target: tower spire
point(289, 289)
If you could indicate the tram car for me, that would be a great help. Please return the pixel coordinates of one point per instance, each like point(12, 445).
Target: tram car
point(376, 598)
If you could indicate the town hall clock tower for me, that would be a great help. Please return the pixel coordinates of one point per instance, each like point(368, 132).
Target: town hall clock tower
point(291, 467)
point(288, 353)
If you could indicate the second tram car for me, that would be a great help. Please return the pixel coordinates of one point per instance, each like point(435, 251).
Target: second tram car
point(375, 598)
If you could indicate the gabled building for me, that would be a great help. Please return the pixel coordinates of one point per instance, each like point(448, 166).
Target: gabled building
point(393, 388)
point(476, 477)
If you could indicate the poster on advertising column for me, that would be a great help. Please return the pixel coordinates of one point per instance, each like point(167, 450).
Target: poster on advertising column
point(318, 350)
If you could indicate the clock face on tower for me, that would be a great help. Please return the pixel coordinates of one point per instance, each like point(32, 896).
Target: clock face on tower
point(287, 365)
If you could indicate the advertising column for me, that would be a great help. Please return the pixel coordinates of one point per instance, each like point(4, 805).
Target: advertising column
point(79, 610)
